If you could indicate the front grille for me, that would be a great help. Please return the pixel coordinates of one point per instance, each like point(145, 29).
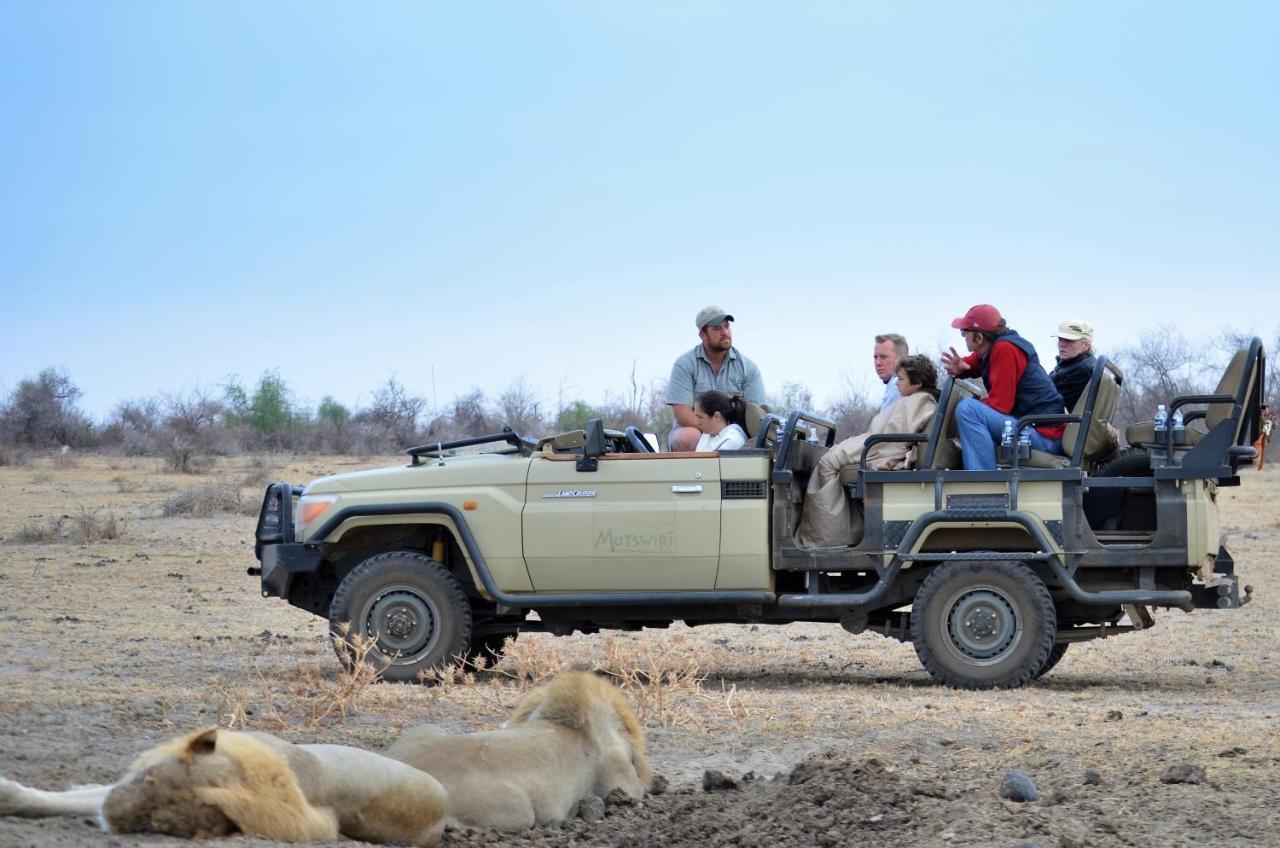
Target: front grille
point(275, 520)
point(740, 489)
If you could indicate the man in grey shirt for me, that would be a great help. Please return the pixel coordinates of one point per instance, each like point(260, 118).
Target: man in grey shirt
point(713, 364)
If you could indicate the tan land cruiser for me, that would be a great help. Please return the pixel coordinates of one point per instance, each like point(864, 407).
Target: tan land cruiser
point(991, 575)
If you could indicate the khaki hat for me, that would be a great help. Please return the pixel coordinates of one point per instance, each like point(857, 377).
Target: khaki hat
point(1074, 331)
point(713, 315)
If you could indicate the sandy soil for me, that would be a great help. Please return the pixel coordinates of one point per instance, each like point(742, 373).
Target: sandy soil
point(110, 646)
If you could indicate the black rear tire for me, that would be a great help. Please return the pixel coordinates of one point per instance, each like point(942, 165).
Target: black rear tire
point(1055, 655)
point(983, 625)
point(410, 607)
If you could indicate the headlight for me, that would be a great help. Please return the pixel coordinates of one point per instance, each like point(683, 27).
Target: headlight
point(310, 507)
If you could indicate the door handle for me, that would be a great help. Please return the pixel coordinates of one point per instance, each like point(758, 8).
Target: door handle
point(687, 490)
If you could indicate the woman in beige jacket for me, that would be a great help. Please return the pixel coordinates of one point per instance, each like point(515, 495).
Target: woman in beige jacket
point(828, 520)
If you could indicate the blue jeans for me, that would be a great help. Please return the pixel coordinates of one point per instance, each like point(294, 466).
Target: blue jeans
point(981, 427)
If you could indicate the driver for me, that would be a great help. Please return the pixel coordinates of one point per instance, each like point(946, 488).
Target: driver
point(714, 364)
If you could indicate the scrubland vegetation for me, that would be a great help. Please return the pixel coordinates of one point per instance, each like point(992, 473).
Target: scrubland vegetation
point(189, 429)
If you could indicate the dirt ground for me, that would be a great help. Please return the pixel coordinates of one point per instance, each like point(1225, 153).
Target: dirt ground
point(112, 645)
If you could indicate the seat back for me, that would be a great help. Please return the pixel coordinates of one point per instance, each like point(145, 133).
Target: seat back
point(1235, 382)
point(942, 451)
point(1092, 438)
point(751, 423)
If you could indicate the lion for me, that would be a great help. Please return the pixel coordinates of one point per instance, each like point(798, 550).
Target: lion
point(572, 737)
point(213, 783)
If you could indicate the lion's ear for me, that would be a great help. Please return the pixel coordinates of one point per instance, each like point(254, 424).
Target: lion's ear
point(202, 742)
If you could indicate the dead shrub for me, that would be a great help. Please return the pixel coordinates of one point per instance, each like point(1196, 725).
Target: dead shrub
point(88, 525)
point(12, 456)
point(308, 698)
point(663, 678)
point(34, 532)
point(258, 475)
point(92, 526)
point(203, 501)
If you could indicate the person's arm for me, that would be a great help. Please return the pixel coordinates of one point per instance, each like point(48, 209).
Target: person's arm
point(1004, 371)
point(752, 384)
point(959, 366)
point(683, 414)
point(680, 393)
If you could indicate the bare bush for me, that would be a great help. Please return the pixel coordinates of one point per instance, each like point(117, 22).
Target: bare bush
point(191, 436)
point(469, 417)
point(307, 698)
point(134, 427)
point(393, 414)
point(86, 525)
point(41, 412)
point(92, 525)
point(520, 408)
point(204, 501)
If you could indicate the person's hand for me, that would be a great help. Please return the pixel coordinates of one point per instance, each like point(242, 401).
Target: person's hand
point(952, 362)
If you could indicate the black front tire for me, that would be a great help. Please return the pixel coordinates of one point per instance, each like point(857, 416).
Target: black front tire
point(410, 607)
point(983, 625)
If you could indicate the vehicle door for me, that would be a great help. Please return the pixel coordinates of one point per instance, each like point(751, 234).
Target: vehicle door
point(640, 521)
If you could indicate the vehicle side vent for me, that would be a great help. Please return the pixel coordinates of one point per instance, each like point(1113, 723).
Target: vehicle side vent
point(738, 489)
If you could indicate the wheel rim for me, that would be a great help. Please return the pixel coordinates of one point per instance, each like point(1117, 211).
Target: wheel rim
point(982, 625)
point(402, 622)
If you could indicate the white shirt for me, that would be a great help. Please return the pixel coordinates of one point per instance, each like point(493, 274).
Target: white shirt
point(891, 393)
point(731, 437)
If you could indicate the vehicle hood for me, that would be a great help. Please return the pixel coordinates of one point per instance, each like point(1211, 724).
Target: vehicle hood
point(469, 470)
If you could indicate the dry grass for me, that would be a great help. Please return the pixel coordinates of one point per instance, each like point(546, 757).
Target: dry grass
point(311, 696)
point(63, 460)
point(86, 525)
point(663, 678)
point(204, 501)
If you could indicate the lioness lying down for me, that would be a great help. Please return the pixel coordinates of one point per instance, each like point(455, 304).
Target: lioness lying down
point(572, 737)
point(217, 782)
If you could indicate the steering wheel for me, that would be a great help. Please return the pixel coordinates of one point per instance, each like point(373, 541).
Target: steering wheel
point(636, 440)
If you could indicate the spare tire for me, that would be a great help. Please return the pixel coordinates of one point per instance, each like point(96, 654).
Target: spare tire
point(1122, 509)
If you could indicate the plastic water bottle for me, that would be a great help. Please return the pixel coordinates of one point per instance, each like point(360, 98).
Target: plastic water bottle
point(1024, 443)
point(1162, 418)
point(1006, 438)
point(1179, 428)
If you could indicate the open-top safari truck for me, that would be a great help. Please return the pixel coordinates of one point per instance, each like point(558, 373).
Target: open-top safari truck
point(991, 575)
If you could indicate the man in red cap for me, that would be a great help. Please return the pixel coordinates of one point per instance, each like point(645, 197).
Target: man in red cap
point(1017, 385)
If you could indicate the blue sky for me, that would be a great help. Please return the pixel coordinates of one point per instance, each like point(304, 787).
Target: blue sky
point(459, 195)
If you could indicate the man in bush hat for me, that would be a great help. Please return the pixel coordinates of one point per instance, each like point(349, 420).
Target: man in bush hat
point(1075, 360)
point(714, 364)
point(1016, 385)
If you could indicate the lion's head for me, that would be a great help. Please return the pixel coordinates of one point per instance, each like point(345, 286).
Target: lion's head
point(590, 703)
point(212, 783)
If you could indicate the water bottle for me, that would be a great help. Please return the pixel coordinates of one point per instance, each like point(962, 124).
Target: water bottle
point(1162, 420)
point(1024, 443)
point(1179, 428)
point(1006, 438)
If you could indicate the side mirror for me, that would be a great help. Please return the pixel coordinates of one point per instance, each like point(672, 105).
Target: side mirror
point(593, 446)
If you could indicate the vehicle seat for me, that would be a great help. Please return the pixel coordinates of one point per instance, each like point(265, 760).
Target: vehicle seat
point(944, 440)
point(1100, 438)
point(1144, 432)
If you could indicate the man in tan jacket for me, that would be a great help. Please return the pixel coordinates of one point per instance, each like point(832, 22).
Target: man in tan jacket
point(828, 518)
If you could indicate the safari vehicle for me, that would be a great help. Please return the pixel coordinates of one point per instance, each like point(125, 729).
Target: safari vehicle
point(991, 575)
